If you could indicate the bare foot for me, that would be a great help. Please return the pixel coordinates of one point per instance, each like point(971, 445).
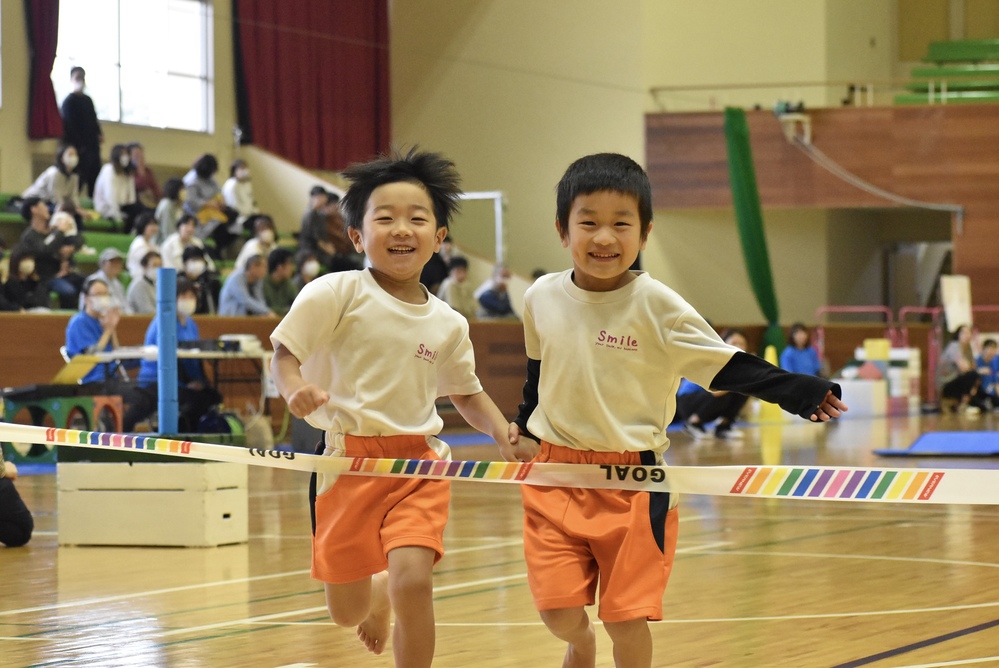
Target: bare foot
point(374, 630)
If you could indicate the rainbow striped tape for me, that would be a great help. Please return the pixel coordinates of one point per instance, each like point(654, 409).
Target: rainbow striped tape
point(817, 483)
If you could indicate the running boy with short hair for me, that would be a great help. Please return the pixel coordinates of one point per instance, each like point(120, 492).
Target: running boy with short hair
point(614, 344)
point(364, 355)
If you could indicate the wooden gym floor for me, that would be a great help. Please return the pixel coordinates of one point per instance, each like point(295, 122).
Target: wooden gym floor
point(756, 582)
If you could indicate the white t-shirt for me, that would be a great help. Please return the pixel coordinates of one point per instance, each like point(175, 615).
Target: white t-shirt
point(611, 362)
point(383, 361)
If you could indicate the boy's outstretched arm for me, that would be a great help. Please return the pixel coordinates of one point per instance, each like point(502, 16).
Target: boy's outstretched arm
point(481, 412)
point(303, 398)
point(809, 397)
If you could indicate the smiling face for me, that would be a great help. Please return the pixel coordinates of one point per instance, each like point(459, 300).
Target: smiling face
point(399, 232)
point(604, 236)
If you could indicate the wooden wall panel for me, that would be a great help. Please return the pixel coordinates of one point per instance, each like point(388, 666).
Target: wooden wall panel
point(942, 154)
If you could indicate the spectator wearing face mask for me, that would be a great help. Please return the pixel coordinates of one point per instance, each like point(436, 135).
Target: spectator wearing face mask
point(174, 246)
point(94, 329)
point(141, 297)
point(24, 290)
point(114, 192)
point(194, 396)
point(263, 242)
point(112, 264)
point(147, 190)
point(199, 269)
point(59, 181)
point(308, 269)
point(237, 191)
point(147, 232)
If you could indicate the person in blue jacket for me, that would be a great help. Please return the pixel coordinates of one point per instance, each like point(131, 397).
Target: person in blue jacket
point(800, 356)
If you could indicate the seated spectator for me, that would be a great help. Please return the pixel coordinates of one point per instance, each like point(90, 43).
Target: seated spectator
point(237, 192)
point(170, 208)
point(59, 181)
point(308, 269)
point(52, 246)
point(455, 289)
point(988, 369)
point(263, 242)
point(147, 232)
point(204, 201)
point(956, 373)
point(697, 407)
point(114, 192)
point(799, 356)
point(324, 233)
point(94, 329)
point(24, 290)
point(141, 296)
point(195, 397)
point(147, 190)
point(5, 303)
point(173, 248)
point(243, 291)
point(111, 264)
point(198, 269)
point(438, 267)
point(493, 298)
point(16, 523)
point(279, 289)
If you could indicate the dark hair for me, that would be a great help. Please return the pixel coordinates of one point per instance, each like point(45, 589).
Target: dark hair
point(143, 220)
point(172, 188)
point(253, 260)
point(989, 343)
point(432, 171)
point(90, 283)
point(277, 258)
point(58, 157)
point(457, 262)
point(604, 171)
point(795, 328)
point(205, 166)
point(27, 205)
point(263, 221)
point(184, 284)
point(957, 332)
point(18, 253)
point(236, 164)
point(191, 253)
point(133, 144)
point(116, 152)
point(318, 190)
point(147, 258)
point(76, 68)
point(187, 218)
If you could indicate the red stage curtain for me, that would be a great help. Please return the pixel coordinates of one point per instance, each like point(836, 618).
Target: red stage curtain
point(313, 78)
point(42, 17)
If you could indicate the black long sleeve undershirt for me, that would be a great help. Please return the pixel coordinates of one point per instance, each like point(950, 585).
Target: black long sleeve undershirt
point(796, 393)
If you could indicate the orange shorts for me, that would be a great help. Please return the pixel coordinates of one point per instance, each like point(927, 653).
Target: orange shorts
point(360, 519)
point(574, 538)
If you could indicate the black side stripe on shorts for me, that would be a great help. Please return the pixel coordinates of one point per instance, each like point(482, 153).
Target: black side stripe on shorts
point(658, 505)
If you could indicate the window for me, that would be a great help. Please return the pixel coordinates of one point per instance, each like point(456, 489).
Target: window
point(148, 62)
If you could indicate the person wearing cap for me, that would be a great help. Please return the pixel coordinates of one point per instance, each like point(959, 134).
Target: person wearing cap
point(111, 263)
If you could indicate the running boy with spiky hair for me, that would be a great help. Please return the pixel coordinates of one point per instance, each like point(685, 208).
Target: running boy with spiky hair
point(363, 355)
point(614, 344)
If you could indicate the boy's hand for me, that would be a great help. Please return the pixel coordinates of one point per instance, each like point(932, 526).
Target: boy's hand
point(831, 407)
point(307, 399)
point(518, 449)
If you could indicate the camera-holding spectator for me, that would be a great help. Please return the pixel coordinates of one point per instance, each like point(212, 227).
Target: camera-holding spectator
point(82, 130)
point(141, 295)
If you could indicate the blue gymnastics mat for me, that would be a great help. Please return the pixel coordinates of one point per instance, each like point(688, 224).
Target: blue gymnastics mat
point(950, 444)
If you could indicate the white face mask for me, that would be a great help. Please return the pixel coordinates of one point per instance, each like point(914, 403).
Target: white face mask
point(311, 268)
point(186, 306)
point(195, 267)
point(267, 236)
point(100, 303)
point(242, 174)
point(70, 161)
point(26, 267)
point(125, 160)
point(150, 274)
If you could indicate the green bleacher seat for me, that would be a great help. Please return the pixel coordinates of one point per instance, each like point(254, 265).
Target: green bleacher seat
point(955, 85)
point(952, 97)
point(963, 50)
point(956, 70)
